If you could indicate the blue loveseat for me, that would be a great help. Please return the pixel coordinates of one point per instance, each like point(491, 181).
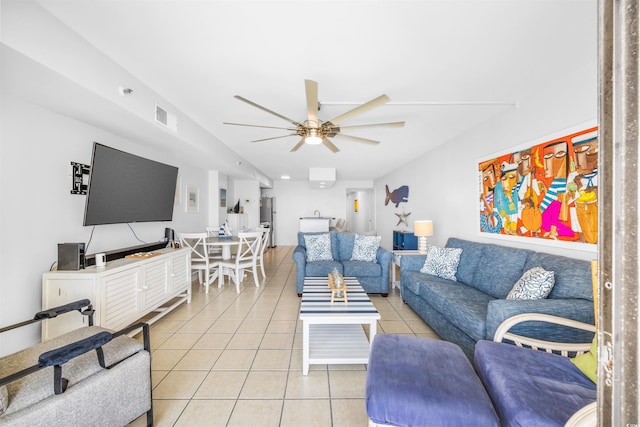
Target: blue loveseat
point(471, 309)
point(373, 276)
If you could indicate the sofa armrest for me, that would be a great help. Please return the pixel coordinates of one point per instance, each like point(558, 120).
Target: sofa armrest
point(577, 309)
point(300, 256)
point(384, 258)
point(412, 262)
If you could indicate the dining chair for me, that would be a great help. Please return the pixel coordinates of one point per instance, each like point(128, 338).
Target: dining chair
point(215, 252)
point(266, 231)
point(246, 258)
point(200, 260)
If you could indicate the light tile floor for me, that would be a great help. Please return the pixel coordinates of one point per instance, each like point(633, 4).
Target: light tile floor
point(232, 359)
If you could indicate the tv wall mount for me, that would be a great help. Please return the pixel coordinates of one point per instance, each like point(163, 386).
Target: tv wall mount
point(79, 178)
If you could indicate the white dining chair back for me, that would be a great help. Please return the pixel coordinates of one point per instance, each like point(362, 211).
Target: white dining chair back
point(266, 232)
point(196, 243)
point(245, 259)
point(215, 252)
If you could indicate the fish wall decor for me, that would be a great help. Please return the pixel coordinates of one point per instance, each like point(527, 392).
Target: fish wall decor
point(397, 196)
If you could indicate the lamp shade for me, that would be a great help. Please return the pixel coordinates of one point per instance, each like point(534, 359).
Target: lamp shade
point(423, 228)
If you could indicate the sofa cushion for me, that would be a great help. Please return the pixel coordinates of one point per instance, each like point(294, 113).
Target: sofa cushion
point(362, 268)
point(322, 268)
point(442, 262)
point(469, 314)
point(551, 389)
point(572, 276)
point(535, 283)
point(469, 258)
point(365, 248)
point(318, 247)
point(413, 280)
point(440, 293)
point(344, 245)
point(499, 267)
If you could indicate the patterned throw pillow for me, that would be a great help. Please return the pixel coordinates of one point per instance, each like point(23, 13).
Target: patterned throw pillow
point(365, 248)
point(534, 284)
point(318, 247)
point(442, 262)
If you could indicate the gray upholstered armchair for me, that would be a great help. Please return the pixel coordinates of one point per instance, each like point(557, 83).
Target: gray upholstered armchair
point(89, 376)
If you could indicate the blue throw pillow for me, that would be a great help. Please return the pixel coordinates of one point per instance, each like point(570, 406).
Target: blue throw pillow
point(442, 262)
point(535, 283)
point(365, 248)
point(318, 247)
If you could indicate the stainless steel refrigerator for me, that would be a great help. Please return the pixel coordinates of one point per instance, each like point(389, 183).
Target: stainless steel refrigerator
point(268, 217)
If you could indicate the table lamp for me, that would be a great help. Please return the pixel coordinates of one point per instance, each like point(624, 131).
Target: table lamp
point(422, 229)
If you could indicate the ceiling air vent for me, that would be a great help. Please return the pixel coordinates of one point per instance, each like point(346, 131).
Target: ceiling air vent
point(166, 118)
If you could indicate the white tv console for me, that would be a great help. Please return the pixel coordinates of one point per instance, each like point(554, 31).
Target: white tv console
point(122, 292)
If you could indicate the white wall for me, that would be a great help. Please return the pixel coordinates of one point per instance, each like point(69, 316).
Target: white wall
point(38, 210)
point(443, 183)
point(248, 192)
point(296, 199)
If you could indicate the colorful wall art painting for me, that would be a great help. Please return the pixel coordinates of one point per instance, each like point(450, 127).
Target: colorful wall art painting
point(545, 190)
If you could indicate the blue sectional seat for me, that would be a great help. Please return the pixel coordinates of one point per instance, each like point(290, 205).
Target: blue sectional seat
point(472, 307)
point(532, 388)
point(414, 381)
point(373, 276)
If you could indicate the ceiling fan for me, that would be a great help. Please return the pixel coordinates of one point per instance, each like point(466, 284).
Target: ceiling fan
point(313, 130)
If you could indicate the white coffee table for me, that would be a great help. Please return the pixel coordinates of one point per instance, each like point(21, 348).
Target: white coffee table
point(333, 333)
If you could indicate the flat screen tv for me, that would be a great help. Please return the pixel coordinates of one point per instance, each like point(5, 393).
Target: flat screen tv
point(125, 188)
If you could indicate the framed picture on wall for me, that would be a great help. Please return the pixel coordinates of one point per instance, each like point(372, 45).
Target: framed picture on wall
point(544, 191)
point(193, 199)
point(223, 197)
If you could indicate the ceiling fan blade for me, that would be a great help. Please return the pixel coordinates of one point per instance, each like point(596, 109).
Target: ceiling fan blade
point(357, 139)
point(275, 137)
point(382, 99)
point(311, 89)
point(330, 145)
point(256, 126)
point(298, 145)
point(390, 125)
point(293, 122)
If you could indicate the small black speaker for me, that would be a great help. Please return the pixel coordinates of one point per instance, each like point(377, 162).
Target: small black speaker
point(71, 256)
point(169, 235)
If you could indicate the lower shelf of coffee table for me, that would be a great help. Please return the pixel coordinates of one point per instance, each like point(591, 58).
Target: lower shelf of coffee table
point(338, 344)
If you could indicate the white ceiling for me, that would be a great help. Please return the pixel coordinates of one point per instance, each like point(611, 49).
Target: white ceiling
point(446, 65)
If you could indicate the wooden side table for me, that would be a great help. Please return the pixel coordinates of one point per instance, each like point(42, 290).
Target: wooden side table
point(397, 255)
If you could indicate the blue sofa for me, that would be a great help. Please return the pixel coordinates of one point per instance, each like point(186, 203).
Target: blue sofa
point(471, 309)
point(373, 276)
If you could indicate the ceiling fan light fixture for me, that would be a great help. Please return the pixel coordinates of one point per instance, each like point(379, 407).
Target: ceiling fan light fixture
point(313, 138)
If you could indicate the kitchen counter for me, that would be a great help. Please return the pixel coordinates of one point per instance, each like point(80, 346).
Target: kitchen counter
point(314, 224)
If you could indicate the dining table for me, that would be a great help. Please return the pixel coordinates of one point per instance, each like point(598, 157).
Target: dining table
point(225, 242)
